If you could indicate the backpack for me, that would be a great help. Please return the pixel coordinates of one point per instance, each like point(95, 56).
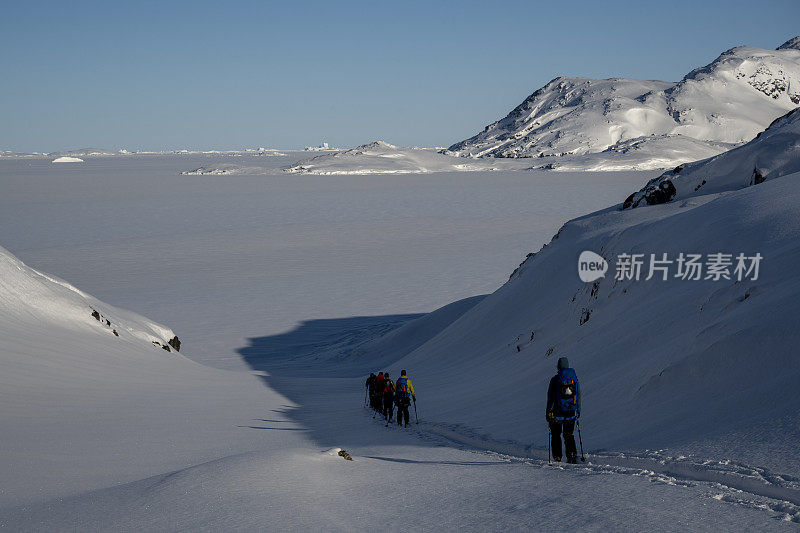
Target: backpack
point(567, 393)
point(402, 388)
point(389, 388)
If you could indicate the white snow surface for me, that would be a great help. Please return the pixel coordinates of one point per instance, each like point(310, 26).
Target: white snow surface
point(222, 259)
point(104, 432)
point(593, 124)
point(67, 159)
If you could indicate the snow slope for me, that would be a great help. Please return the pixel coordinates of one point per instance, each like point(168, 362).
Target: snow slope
point(380, 157)
point(94, 400)
point(687, 365)
point(104, 432)
point(593, 124)
point(773, 153)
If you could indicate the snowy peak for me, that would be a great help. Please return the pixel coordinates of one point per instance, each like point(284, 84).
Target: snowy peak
point(793, 43)
point(585, 123)
point(773, 153)
point(376, 145)
point(553, 120)
point(734, 74)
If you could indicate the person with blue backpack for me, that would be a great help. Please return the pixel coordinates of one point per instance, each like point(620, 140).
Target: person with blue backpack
point(563, 410)
point(404, 393)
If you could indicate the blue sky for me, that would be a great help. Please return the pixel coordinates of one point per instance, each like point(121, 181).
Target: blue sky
point(169, 74)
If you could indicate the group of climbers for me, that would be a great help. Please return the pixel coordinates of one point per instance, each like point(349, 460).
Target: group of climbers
point(562, 412)
point(384, 394)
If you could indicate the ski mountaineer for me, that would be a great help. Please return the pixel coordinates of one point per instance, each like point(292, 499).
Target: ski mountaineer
point(404, 392)
point(377, 402)
point(563, 409)
point(370, 385)
point(388, 398)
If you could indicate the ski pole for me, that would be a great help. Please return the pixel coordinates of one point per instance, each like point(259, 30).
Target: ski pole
point(578, 422)
point(415, 411)
point(365, 396)
point(549, 438)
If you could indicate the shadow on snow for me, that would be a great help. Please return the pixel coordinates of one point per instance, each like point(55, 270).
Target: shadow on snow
point(321, 366)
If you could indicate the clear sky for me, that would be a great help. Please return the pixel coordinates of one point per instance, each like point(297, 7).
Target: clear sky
point(169, 74)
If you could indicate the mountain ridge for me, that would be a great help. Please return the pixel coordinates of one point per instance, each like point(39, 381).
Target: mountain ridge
point(711, 109)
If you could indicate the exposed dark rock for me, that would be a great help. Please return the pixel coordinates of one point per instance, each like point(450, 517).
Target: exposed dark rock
point(166, 347)
point(175, 342)
point(115, 333)
point(96, 315)
point(108, 322)
point(700, 185)
point(661, 194)
point(628, 201)
point(585, 316)
point(659, 190)
point(345, 455)
point(757, 178)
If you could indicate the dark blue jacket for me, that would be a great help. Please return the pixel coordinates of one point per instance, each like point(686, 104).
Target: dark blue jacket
point(552, 392)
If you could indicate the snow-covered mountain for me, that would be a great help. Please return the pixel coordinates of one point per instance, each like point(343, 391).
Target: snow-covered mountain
point(773, 153)
point(609, 124)
point(380, 157)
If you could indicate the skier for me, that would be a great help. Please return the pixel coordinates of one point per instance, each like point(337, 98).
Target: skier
point(404, 392)
point(563, 409)
point(370, 385)
point(377, 400)
point(388, 398)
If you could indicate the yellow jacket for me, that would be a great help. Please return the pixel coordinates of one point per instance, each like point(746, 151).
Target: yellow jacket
point(409, 384)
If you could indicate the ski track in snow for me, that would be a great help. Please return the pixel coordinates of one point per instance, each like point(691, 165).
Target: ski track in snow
point(727, 481)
